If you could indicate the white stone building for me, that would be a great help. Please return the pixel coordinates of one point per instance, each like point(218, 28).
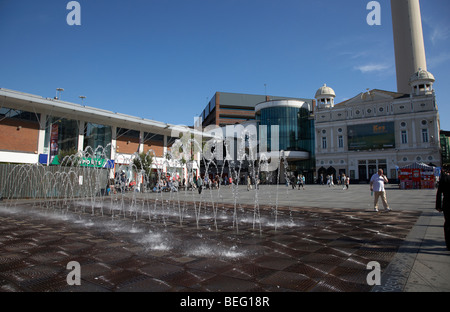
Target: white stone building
point(377, 129)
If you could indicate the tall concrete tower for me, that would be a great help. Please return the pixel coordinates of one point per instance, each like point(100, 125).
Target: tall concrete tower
point(408, 41)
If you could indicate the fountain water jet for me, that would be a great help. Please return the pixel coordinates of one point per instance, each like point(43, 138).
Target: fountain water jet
point(75, 189)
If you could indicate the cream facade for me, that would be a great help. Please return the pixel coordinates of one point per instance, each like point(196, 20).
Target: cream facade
point(378, 129)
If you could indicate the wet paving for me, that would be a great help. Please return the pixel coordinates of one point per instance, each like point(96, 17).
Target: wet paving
point(301, 249)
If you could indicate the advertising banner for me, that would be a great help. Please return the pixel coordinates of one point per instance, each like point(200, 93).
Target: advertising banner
point(53, 142)
point(371, 136)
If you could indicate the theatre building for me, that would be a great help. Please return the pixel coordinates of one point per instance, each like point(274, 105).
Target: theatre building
point(377, 130)
point(380, 129)
point(34, 130)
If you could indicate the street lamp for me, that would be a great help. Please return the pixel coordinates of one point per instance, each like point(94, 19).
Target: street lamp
point(82, 97)
point(59, 90)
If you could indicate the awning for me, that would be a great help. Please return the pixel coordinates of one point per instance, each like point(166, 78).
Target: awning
point(418, 165)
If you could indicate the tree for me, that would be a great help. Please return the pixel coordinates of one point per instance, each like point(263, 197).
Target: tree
point(69, 158)
point(144, 161)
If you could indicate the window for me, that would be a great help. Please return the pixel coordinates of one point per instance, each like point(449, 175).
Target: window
point(60, 135)
point(324, 143)
point(18, 114)
point(123, 132)
point(98, 138)
point(341, 141)
point(296, 130)
point(404, 137)
point(425, 135)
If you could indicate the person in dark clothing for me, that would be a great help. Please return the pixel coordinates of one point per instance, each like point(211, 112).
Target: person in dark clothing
point(443, 205)
point(199, 184)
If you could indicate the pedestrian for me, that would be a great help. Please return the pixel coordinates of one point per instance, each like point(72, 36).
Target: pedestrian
point(377, 182)
point(249, 183)
point(347, 181)
point(199, 184)
point(321, 179)
point(301, 181)
point(330, 180)
point(292, 181)
point(443, 205)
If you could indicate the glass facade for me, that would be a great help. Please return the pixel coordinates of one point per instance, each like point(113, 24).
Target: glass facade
point(295, 127)
point(61, 135)
point(127, 133)
point(148, 136)
point(96, 136)
point(18, 114)
point(296, 133)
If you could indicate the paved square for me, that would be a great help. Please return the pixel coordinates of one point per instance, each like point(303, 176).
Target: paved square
point(245, 247)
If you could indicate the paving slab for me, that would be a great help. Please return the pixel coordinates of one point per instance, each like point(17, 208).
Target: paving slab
point(274, 239)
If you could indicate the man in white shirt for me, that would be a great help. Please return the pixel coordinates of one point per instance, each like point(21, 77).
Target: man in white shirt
point(377, 187)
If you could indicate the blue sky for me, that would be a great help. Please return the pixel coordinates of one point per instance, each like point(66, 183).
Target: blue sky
point(164, 59)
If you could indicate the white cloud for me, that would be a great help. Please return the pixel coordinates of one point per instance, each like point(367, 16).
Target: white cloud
point(370, 68)
point(439, 34)
point(435, 31)
point(355, 54)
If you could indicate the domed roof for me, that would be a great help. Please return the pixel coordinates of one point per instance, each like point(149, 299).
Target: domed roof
point(325, 91)
point(421, 74)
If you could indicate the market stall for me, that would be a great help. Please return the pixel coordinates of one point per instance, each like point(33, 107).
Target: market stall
point(417, 176)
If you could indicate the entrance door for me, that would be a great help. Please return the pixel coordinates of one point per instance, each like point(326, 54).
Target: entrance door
point(362, 172)
point(372, 170)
